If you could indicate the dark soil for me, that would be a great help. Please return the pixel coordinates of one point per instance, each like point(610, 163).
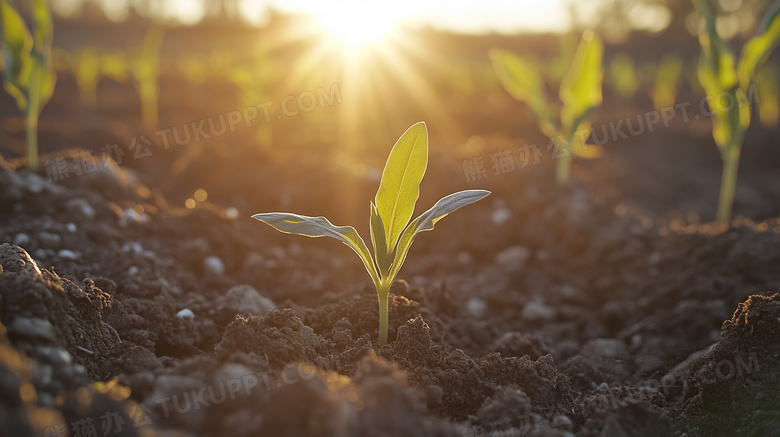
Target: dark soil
point(610, 307)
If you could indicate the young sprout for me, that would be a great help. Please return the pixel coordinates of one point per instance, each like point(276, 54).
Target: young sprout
point(86, 68)
point(726, 83)
point(667, 81)
point(145, 69)
point(767, 88)
point(580, 95)
point(623, 76)
point(391, 232)
point(28, 71)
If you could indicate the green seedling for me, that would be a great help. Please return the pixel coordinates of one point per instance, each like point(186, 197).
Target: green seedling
point(114, 66)
point(767, 88)
point(726, 83)
point(623, 76)
point(580, 96)
point(86, 68)
point(391, 232)
point(254, 82)
point(27, 67)
point(667, 81)
point(145, 68)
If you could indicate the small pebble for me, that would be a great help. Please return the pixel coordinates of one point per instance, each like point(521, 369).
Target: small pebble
point(49, 239)
point(231, 213)
point(513, 258)
point(71, 227)
point(185, 314)
point(32, 328)
point(133, 270)
point(536, 311)
point(214, 266)
point(501, 216)
point(21, 239)
point(133, 246)
point(67, 254)
point(476, 307)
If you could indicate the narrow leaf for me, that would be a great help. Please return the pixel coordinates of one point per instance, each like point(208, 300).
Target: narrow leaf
point(399, 188)
point(427, 220)
point(581, 89)
point(717, 71)
point(756, 51)
point(524, 82)
point(320, 227)
point(379, 242)
point(17, 44)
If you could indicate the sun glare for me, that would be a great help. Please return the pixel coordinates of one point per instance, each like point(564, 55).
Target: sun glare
point(357, 26)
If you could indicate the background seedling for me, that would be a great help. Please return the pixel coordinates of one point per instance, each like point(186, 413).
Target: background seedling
point(767, 88)
point(86, 69)
point(28, 72)
point(580, 95)
point(391, 232)
point(145, 69)
point(726, 83)
point(667, 81)
point(623, 77)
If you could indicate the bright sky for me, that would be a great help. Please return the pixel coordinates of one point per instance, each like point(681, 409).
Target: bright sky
point(459, 15)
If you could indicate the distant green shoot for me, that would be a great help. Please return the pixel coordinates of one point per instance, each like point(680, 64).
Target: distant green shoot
point(726, 83)
point(668, 77)
point(767, 87)
point(391, 232)
point(580, 96)
point(145, 68)
point(623, 76)
point(28, 73)
point(86, 68)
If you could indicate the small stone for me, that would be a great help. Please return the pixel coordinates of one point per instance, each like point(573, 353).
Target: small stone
point(434, 395)
point(501, 216)
point(49, 239)
point(246, 300)
point(536, 311)
point(21, 239)
point(562, 422)
point(81, 207)
point(604, 348)
point(464, 258)
point(514, 258)
point(133, 270)
point(231, 213)
point(132, 246)
point(476, 307)
point(186, 313)
point(33, 328)
point(67, 254)
point(214, 266)
point(71, 227)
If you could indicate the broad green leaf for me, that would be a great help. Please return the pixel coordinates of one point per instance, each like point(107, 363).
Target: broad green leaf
point(427, 220)
point(523, 82)
point(399, 188)
point(379, 242)
point(17, 44)
point(581, 89)
point(320, 227)
point(757, 49)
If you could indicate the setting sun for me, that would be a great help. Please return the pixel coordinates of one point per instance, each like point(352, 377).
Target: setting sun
point(356, 25)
